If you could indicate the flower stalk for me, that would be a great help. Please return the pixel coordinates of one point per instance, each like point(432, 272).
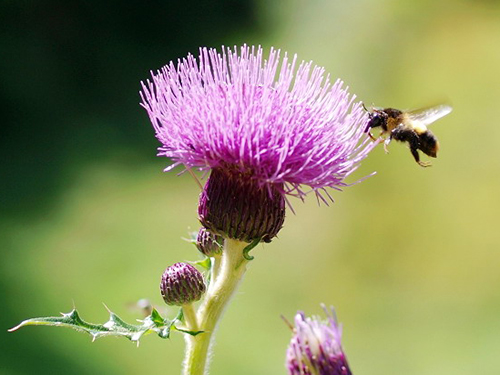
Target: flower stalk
point(232, 269)
point(190, 318)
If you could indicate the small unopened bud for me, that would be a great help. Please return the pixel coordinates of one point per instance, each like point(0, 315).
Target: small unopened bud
point(315, 347)
point(181, 284)
point(208, 243)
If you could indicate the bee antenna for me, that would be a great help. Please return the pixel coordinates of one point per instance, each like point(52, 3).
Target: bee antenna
point(363, 104)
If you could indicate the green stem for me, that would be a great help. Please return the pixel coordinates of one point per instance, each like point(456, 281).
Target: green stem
point(190, 317)
point(214, 271)
point(232, 268)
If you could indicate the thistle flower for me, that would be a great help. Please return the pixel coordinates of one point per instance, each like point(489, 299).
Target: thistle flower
point(181, 284)
point(315, 347)
point(265, 129)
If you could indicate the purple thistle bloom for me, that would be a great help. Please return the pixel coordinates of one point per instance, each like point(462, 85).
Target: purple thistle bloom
point(282, 127)
point(315, 347)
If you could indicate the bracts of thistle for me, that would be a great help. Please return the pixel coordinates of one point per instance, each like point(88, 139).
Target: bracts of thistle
point(266, 128)
point(182, 285)
point(209, 244)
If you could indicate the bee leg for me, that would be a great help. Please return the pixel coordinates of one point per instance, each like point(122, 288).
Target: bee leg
point(414, 151)
point(372, 137)
point(425, 164)
point(386, 143)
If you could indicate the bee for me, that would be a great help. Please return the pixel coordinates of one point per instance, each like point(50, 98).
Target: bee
point(410, 127)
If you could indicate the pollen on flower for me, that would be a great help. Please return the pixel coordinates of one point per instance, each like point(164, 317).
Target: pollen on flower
point(281, 123)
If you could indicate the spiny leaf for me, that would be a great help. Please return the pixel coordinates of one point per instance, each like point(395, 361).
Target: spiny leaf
point(115, 326)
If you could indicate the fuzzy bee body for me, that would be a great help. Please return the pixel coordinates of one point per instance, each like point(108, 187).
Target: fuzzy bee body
point(409, 127)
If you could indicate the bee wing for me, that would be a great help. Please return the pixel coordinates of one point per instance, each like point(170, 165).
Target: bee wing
point(427, 116)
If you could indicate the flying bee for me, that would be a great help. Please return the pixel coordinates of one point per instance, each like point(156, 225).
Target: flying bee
point(409, 126)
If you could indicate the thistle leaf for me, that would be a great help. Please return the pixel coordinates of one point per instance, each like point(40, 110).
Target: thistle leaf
point(206, 263)
point(115, 326)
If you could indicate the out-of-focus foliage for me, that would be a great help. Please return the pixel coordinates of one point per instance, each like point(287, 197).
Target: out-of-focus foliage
point(409, 257)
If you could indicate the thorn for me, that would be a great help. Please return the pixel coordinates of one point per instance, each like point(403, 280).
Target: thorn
point(15, 328)
point(107, 308)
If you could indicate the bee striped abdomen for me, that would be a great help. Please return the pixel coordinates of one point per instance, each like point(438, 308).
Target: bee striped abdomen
point(429, 144)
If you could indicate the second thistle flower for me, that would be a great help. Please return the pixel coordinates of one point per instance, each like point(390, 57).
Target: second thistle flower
point(315, 348)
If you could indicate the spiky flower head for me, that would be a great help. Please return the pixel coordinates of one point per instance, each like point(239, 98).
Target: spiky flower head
point(208, 243)
point(264, 122)
point(181, 284)
point(315, 347)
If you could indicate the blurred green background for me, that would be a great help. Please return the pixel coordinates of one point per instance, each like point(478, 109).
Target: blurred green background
point(409, 258)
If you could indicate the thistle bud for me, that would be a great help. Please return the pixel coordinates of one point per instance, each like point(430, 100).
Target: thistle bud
point(234, 205)
point(315, 347)
point(181, 284)
point(208, 243)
